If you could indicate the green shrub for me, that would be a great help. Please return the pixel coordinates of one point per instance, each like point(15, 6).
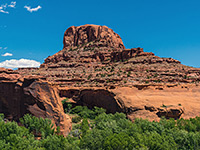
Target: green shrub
point(84, 112)
point(1, 117)
point(84, 126)
point(76, 119)
point(66, 105)
point(13, 136)
point(38, 126)
point(99, 130)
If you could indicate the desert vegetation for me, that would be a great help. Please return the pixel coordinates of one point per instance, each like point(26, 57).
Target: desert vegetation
point(94, 129)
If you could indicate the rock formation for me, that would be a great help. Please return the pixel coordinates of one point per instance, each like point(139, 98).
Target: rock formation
point(31, 94)
point(95, 69)
point(148, 102)
point(104, 36)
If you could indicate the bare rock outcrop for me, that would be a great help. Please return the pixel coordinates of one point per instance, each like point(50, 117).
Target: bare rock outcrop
point(148, 103)
point(76, 36)
point(31, 94)
point(86, 38)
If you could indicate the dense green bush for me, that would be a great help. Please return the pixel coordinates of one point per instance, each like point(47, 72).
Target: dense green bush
point(38, 126)
point(76, 119)
point(94, 129)
point(66, 105)
point(84, 126)
point(84, 112)
point(13, 136)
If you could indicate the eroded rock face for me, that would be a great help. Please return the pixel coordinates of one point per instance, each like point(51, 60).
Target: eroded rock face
point(31, 94)
point(91, 97)
point(150, 103)
point(76, 36)
point(154, 102)
point(170, 112)
point(84, 39)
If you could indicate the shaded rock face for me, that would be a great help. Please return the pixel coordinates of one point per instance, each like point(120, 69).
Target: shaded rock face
point(75, 36)
point(90, 98)
point(171, 112)
point(31, 94)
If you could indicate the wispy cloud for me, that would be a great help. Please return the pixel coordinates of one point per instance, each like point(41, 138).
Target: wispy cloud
point(12, 4)
point(4, 48)
point(5, 6)
point(21, 63)
point(28, 8)
point(2, 9)
point(7, 54)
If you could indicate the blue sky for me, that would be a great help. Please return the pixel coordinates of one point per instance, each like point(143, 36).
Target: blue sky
point(33, 29)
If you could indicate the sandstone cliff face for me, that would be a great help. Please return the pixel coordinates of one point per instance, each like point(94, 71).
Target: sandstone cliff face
point(20, 95)
point(76, 36)
point(86, 38)
point(149, 102)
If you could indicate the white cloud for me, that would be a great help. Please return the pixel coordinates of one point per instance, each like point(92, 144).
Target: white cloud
point(5, 6)
point(7, 54)
point(0, 47)
point(12, 4)
point(5, 47)
point(21, 63)
point(2, 9)
point(28, 8)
